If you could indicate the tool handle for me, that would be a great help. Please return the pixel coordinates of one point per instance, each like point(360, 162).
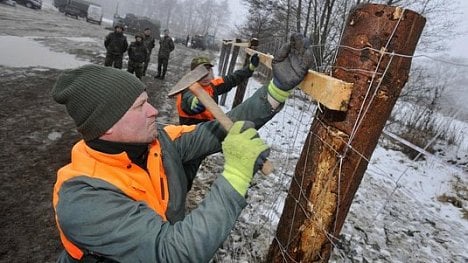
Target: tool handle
point(222, 118)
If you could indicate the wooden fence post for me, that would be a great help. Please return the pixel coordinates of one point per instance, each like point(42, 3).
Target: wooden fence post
point(232, 65)
point(377, 44)
point(222, 72)
point(222, 55)
point(240, 91)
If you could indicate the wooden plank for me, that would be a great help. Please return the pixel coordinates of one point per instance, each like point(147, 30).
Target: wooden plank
point(328, 91)
point(265, 59)
point(331, 92)
point(238, 44)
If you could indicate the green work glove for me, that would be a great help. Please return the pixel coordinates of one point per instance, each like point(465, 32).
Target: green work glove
point(254, 62)
point(290, 65)
point(244, 154)
point(196, 106)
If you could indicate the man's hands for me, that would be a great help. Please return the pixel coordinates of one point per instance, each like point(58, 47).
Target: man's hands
point(290, 65)
point(244, 154)
point(254, 62)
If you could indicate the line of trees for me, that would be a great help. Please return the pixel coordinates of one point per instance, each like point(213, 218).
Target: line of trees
point(322, 21)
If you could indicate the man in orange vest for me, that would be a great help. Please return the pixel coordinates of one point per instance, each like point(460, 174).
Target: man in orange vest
point(122, 197)
point(190, 110)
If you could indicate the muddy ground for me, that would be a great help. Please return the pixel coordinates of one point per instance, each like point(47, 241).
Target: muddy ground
point(37, 134)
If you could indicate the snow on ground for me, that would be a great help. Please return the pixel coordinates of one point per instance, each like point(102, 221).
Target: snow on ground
point(395, 215)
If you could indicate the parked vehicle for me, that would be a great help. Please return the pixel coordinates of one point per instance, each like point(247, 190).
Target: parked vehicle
point(204, 42)
point(94, 14)
point(33, 4)
point(71, 11)
point(135, 24)
point(8, 2)
point(198, 41)
point(78, 8)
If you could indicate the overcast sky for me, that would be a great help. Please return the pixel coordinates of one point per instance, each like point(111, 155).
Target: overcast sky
point(460, 45)
point(239, 12)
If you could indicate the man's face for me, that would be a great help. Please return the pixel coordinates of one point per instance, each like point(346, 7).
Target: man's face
point(137, 125)
point(118, 29)
point(208, 78)
point(147, 32)
point(166, 33)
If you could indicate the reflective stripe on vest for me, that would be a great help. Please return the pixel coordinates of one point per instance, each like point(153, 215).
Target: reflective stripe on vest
point(118, 170)
point(204, 115)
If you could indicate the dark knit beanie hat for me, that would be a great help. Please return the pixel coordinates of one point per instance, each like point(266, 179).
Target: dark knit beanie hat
point(96, 97)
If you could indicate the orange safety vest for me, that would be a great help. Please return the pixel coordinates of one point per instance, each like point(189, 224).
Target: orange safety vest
point(204, 115)
point(118, 170)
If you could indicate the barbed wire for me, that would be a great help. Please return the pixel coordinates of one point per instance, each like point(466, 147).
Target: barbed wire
point(383, 52)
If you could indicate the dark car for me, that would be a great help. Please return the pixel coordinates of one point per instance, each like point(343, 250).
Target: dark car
point(198, 41)
point(8, 2)
point(34, 4)
point(72, 11)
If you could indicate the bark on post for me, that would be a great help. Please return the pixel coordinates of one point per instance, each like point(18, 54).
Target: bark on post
point(240, 91)
point(339, 145)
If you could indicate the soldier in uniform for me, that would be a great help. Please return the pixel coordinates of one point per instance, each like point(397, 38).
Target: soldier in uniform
point(148, 41)
point(137, 55)
point(166, 46)
point(116, 44)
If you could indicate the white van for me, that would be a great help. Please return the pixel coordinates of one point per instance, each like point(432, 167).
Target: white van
point(94, 14)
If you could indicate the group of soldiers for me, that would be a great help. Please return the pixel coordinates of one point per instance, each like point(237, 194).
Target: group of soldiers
point(139, 51)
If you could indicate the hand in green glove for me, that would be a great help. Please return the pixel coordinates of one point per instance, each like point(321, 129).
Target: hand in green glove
point(196, 106)
point(244, 154)
point(190, 103)
point(290, 65)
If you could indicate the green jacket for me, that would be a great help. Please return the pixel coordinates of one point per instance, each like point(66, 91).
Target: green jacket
point(166, 46)
point(129, 231)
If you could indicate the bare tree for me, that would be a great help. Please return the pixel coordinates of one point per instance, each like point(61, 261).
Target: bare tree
point(309, 7)
point(298, 16)
point(169, 6)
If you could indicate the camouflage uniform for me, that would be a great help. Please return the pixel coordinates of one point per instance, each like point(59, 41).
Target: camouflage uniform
point(148, 41)
point(166, 46)
point(137, 55)
point(116, 44)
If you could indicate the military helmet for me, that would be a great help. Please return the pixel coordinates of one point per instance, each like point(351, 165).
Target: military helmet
point(201, 60)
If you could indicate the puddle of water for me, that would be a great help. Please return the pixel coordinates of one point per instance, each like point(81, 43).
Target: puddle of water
point(24, 52)
point(81, 39)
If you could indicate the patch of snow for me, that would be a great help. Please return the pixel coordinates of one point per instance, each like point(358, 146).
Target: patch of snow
point(82, 39)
